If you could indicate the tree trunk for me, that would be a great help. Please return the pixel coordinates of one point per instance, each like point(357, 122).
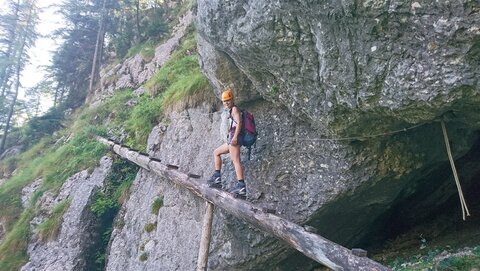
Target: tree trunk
point(98, 46)
point(18, 64)
point(137, 20)
point(324, 251)
point(12, 105)
point(6, 68)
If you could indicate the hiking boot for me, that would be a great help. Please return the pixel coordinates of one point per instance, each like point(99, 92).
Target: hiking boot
point(239, 190)
point(215, 181)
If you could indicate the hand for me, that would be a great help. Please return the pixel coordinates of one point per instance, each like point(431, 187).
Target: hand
point(234, 141)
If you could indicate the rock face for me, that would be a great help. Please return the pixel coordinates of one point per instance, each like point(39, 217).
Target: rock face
point(346, 66)
point(66, 251)
point(147, 241)
point(339, 187)
point(335, 87)
point(345, 95)
point(172, 241)
point(11, 152)
point(136, 70)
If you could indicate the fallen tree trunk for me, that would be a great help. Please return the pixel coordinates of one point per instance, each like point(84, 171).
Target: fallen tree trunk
point(326, 252)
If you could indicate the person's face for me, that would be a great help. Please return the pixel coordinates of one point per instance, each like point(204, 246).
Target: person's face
point(228, 103)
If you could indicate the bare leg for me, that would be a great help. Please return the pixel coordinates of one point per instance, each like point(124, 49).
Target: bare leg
point(223, 149)
point(237, 163)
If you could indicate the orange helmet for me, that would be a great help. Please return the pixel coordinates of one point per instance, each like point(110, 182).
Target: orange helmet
point(227, 95)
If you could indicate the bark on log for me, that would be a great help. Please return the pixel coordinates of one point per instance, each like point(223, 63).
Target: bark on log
point(326, 252)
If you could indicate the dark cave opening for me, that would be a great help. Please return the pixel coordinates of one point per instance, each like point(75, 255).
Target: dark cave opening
point(430, 216)
point(433, 214)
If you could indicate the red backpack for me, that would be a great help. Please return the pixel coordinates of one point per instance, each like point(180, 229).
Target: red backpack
point(249, 130)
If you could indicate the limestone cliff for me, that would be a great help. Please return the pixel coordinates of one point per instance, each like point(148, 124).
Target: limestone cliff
point(76, 234)
point(346, 66)
point(350, 135)
point(347, 96)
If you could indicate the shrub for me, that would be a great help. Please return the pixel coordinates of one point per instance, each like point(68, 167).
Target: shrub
point(117, 184)
point(150, 227)
point(458, 263)
point(156, 205)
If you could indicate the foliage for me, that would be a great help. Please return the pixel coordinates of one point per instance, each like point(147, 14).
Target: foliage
point(458, 263)
point(146, 50)
point(102, 203)
point(74, 152)
point(111, 116)
point(178, 84)
point(17, 28)
point(74, 148)
point(143, 257)
point(50, 227)
point(39, 127)
point(156, 205)
point(7, 166)
point(150, 227)
point(80, 152)
point(105, 206)
point(72, 61)
point(118, 182)
point(141, 121)
point(180, 81)
point(438, 259)
point(112, 110)
point(125, 24)
point(13, 253)
point(136, 22)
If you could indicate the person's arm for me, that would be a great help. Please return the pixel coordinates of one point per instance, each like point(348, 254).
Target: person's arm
point(238, 119)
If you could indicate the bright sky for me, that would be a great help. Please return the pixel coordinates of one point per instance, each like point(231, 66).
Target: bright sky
point(41, 54)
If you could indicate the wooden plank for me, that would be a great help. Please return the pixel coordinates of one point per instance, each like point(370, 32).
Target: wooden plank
point(322, 250)
point(202, 261)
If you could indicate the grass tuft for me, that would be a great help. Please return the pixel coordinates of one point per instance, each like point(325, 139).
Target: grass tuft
point(156, 205)
point(146, 50)
point(13, 253)
point(180, 81)
point(143, 257)
point(50, 228)
point(150, 227)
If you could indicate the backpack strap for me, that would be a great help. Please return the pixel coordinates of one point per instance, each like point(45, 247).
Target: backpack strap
point(230, 114)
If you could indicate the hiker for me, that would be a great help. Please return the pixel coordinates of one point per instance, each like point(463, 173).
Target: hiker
point(232, 146)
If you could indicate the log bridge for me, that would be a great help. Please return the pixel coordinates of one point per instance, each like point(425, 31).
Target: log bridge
point(322, 250)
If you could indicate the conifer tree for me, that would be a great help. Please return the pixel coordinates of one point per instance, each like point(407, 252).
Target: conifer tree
point(24, 19)
point(8, 31)
point(72, 64)
point(98, 47)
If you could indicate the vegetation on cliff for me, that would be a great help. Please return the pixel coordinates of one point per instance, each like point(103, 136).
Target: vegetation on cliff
point(60, 143)
point(69, 142)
